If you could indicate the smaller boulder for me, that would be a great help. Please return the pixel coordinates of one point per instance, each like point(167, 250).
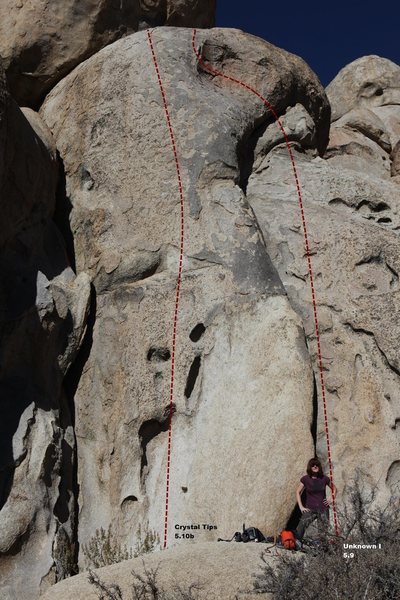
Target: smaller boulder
point(367, 82)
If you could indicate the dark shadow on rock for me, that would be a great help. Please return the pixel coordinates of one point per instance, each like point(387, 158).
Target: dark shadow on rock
point(15, 397)
point(294, 518)
point(69, 480)
point(246, 148)
point(30, 342)
point(149, 430)
point(62, 213)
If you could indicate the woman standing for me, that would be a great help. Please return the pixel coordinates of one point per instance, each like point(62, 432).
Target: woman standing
point(316, 504)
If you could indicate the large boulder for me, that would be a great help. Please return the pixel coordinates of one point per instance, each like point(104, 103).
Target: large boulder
point(43, 309)
point(369, 82)
point(43, 40)
point(353, 215)
point(352, 220)
point(365, 100)
point(217, 570)
point(243, 378)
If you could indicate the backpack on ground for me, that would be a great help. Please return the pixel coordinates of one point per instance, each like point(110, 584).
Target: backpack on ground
point(251, 534)
point(288, 540)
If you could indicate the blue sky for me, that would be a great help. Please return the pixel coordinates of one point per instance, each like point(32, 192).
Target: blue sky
point(327, 35)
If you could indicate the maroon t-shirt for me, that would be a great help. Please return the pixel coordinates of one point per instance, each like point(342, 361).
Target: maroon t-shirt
point(315, 490)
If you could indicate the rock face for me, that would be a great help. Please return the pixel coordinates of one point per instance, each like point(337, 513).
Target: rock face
point(85, 400)
point(240, 346)
point(369, 82)
point(365, 99)
point(43, 308)
point(51, 37)
point(352, 211)
point(220, 570)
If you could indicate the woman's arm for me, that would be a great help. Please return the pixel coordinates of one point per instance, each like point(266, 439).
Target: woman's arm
point(334, 490)
point(298, 497)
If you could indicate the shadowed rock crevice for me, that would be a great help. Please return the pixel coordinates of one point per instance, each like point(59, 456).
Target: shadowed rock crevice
point(158, 354)
point(197, 332)
point(246, 149)
point(137, 268)
point(69, 482)
point(128, 500)
point(295, 515)
point(19, 543)
point(62, 212)
point(393, 475)
point(314, 421)
point(15, 400)
point(6, 482)
point(66, 487)
point(212, 52)
point(73, 375)
point(147, 432)
point(192, 376)
point(294, 518)
point(116, 16)
point(379, 207)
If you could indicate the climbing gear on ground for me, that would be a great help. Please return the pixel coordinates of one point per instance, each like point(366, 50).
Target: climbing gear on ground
point(288, 540)
point(251, 534)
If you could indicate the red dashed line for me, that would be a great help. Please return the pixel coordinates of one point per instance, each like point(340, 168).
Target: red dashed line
point(303, 220)
point(178, 283)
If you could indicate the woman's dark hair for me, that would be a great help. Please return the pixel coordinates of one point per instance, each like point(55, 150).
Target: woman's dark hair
point(311, 463)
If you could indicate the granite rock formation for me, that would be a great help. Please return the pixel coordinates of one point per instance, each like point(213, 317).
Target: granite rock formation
point(42, 322)
point(352, 210)
point(89, 252)
point(240, 346)
point(220, 570)
point(49, 38)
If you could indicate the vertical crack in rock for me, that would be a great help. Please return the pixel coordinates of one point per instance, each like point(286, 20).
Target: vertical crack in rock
point(61, 508)
point(295, 515)
point(148, 431)
point(62, 212)
point(6, 482)
point(192, 376)
point(246, 148)
point(70, 385)
point(16, 400)
point(314, 421)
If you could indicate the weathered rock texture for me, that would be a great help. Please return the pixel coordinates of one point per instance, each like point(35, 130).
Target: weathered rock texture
point(365, 100)
point(247, 388)
point(51, 37)
point(369, 82)
point(222, 571)
point(43, 310)
point(243, 373)
point(352, 214)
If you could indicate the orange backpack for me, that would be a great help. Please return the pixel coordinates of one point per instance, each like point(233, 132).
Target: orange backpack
point(288, 540)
